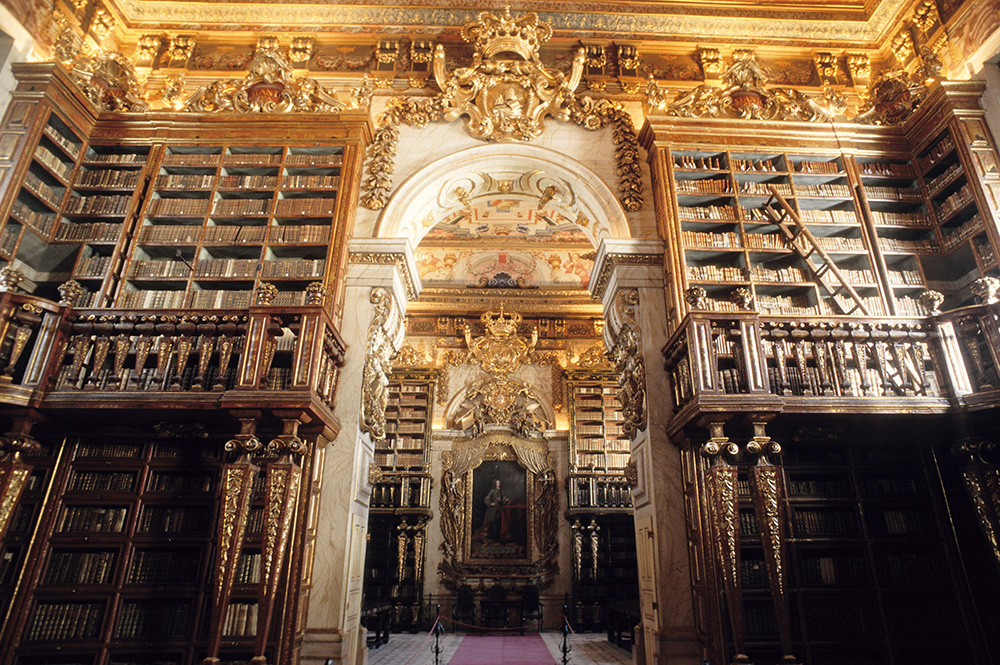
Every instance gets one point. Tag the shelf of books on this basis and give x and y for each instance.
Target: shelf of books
(965, 251)
(221, 219)
(126, 569)
(408, 423)
(596, 440)
(728, 241)
(865, 549)
(605, 568)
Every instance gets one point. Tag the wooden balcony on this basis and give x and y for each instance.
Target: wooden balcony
(748, 362)
(58, 357)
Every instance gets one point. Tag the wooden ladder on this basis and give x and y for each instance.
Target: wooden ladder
(818, 261)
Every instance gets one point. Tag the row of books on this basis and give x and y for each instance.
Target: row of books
(758, 166)
(179, 207)
(164, 566)
(241, 620)
(248, 181)
(872, 303)
(841, 570)
(828, 217)
(716, 273)
(127, 158)
(40, 221)
(837, 243)
(902, 521)
(173, 519)
(8, 238)
(241, 206)
(841, 522)
(935, 153)
(906, 277)
(89, 231)
(984, 250)
(175, 482)
(93, 266)
(954, 202)
(92, 450)
(94, 567)
(593, 492)
(913, 219)
(313, 159)
(753, 573)
(893, 193)
(908, 246)
(69, 145)
(235, 234)
(43, 191)
(704, 186)
(157, 268)
(185, 181)
(887, 169)
(795, 305)
(248, 568)
(764, 188)
(305, 206)
(707, 212)
(828, 190)
(818, 167)
(790, 274)
(64, 621)
(151, 299)
(152, 619)
(102, 204)
(937, 182)
(103, 481)
(766, 241)
(93, 519)
(699, 163)
(718, 240)
(44, 156)
(221, 299)
(293, 268)
(108, 178)
(966, 230)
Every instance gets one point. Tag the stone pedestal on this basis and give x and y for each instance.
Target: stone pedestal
(628, 278)
(333, 633)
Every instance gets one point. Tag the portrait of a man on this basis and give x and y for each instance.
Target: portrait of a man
(499, 511)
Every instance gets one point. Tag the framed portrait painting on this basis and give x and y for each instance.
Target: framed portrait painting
(499, 512)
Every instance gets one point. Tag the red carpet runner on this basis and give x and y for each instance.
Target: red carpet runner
(502, 650)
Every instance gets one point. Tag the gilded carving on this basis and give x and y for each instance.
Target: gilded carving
(388, 258)
(268, 87)
(301, 49)
(503, 99)
(630, 367)
(742, 94)
(110, 82)
(501, 350)
(383, 338)
(147, 48)
(986, 290)
(902, 46)
(70, 293)
(180, 49)
(859, 67)
(925, 15)
(891, 99)
(827, 68)
(711, 63)
(931, 301)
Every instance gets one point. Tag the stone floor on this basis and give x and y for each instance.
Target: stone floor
(407, 649)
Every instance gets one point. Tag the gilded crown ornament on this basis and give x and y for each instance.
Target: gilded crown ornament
(501, 350)
(494, 34)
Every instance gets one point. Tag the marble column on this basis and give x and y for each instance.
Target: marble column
(381, 278)
(628, 278)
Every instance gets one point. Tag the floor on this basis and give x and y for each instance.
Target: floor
(407, 649)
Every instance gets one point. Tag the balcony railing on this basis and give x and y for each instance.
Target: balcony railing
(53, 353)
(745, 361)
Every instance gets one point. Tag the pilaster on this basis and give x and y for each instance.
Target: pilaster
(381, 278)
(629, 282)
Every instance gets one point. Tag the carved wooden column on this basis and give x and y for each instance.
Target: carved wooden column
(234, 506)
(769, 507)
(283, 481)
(14, 472)
(724, 510)
(981, 473)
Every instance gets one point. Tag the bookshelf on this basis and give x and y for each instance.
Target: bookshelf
(866, 549)
(408, 415)
(596, 440)
(127, 565)
(605, 570)
(222, 218)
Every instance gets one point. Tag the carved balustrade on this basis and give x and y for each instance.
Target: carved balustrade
(402, 490)
(796, 363)
(970, 344)
(599, 491)
(27, 336)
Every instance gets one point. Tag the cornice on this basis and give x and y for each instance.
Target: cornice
(654, 24)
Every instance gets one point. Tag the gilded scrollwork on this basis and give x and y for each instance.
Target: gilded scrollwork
(268, 87)
(743, 94)
(501, 350)
(630, 367)
(110, 81)
(891, 98)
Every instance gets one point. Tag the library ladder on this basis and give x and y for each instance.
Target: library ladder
(818, 261)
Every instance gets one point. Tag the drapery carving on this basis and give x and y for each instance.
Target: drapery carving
(384, 337)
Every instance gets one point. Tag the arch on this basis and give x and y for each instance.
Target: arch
(429, 191)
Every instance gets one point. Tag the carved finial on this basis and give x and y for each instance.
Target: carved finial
(931, 301)
(695, 297)
(69, 293)
(10, 278)
(314, 293)
(266, 293)
(986, 289)
(742, 298)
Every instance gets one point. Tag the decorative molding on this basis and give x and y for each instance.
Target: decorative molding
(611, 261)
(397, 259)
(504, 99)
(629, 365)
